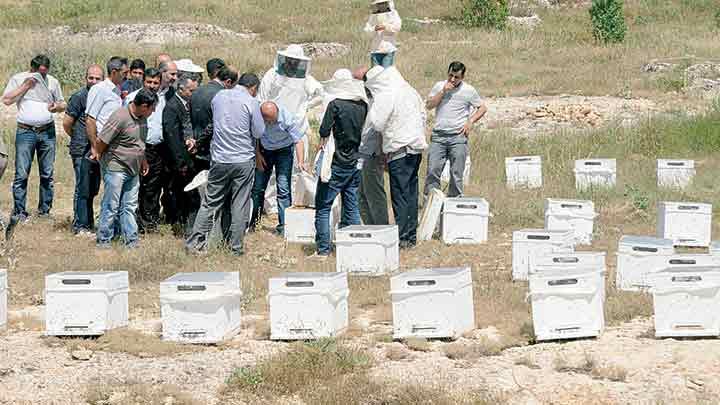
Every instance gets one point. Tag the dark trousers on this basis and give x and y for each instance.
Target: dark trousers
(87, 186)
(281, 160)
(186, 203)
(404, 196)
(344, 181)
(232, 181)
(154, 187)
(29, 143)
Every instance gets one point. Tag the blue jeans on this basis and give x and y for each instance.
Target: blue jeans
(27, 144)
(282, 161)
(120, 200)
(87, 185)
(343, 181)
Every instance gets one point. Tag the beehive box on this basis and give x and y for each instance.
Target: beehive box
(465, 220)
(200, 307)
(85, 303)
(532, 243)
(675, 173)
(578, 215)
(638, 257)
(432, 303)
(595, 173)
(308, 305)
(371, 250)
(300, 223)
(687, 224)
(523, 171)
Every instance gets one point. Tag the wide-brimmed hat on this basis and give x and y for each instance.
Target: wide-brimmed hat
(187, 65)
(294, 51)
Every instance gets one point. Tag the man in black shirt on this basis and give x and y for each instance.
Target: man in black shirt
(344, 118)
(201, 113)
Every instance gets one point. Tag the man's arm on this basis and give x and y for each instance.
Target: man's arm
(12, 96)
(328, 121)
(435, 99)
(91, 132)
(479, 113)
(68, 123)
(100, 148)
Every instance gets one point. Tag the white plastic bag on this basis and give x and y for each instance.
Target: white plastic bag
(323, 160)
(445, 176)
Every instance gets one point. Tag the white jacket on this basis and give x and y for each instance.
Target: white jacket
(296, 95)
(392, 23)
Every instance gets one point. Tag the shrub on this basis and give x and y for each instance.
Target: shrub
(608, 20)
(485, 13)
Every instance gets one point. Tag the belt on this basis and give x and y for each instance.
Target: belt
(40, 128)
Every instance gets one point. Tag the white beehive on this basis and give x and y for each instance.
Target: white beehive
(431, 214)
(675, 173)
(687, 224)
(687, 302)
(308, 305)
(85, 303)
(577, 215)
(432, 303)
(530, 243)
(200, 307)
(638, 257)
(300, 223)
(465, 220)
(567, 293)
(3, 298)
(368, 249)
(523, 171)
(593, 173)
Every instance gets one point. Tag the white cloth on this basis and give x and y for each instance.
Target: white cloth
(392, 23)
(455, 107)
(344, 87)
(295, 95)
(397, 112)
(33, 106)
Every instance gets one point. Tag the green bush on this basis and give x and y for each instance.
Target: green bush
(485, 13)
(608, 20)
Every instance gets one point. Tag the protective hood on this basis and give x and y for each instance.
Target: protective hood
(292, 62)
(343, 86)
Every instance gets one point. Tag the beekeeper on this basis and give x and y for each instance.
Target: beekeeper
(384, 22)
(290, 85)
(397, 113)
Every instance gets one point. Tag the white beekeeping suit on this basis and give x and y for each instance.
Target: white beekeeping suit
(384, 55)
(290, 85)
(397, 112)
(384, 22)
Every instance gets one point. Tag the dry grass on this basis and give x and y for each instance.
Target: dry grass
(123, 341)
(25, 322)
(131, 393)
(528, 361)
(396, 353)
(418, 344)
(471, 351)
(588, 365)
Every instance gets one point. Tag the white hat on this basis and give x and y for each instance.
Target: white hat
(385, 47)
(187, 65)
(294, 51)
(380, 1)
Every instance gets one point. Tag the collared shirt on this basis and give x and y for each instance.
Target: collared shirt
(237, 123)
(76, 109)
(345, 120)
(103, 100)
(124, 134)
(154, 122)
(283, 133)
(455, 107)
(33, 106)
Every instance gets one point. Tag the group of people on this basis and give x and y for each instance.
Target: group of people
(146, 133)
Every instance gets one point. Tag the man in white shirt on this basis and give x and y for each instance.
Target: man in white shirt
(458, 107)
(38, 96)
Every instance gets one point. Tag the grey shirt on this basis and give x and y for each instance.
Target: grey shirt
(103, 100)
(455, 107)
(237, 123)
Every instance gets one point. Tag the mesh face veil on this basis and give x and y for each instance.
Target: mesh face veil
(292, 67)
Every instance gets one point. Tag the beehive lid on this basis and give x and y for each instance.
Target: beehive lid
(81, 280)
(645, 244)
(595, 165)
(576, 261)
(543, 235)
(690, 277)
(477, 206)
(383, 234)
(523, 160)
(675, 164)
(310, 282)
(195, 281)
(685, 207)
(432, 278)
(431, 214)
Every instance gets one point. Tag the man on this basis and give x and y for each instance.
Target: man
(38, 96)
(151, 81)
(372, 195)
(177, 129)
(398, 113)
(157, 182)
(282, 137)
(237, 124)
(384, 22)
(162, 58)
(454, 101)
(87, 175)
(344, 118)
(135, 78)
(103, 99)
(121, 146)
(201, 114)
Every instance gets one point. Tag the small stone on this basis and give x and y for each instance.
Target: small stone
(525, 22)
(81, 354)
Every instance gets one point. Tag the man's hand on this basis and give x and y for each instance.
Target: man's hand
(53, 107)
(301, 165)
(191, 145)
(144, 168)
(448, 86)
(466, 129)
(260, 162)
(379, 28)
(93, 154)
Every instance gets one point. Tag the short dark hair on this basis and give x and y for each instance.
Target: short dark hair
(116, 63)
(249, 80)
(213, 67)
(457, 67)
(145, 97)
(40, 60)
(228, 73)
(137, 64)
(152, 72)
